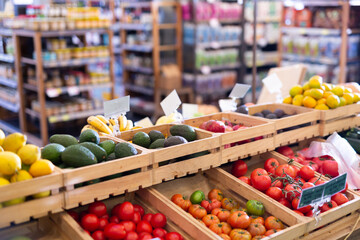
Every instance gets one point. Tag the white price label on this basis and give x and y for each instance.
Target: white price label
(53, 92)
(215, 45)
(227, 105)
(205, 70)
(145, 122)
(73, 91)
(189, 110)
(239, 90)
(214, 22)
(117, 106)
(272, 83)
(170, 103)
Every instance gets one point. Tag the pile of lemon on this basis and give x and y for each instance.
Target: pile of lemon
(322, 96)
(19, 162)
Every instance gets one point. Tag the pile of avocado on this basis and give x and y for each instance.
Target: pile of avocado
(65, 151)
(278, 113)
(180, 134)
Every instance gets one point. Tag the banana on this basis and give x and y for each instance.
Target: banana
(88, 127)
(122, 122)
(104, 120)
(129, 125)
(112, 121)
(98, 124)
(137, 127)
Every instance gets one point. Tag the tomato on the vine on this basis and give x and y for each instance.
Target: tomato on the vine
(239, 168)
(285, 169)
(306, 172)
(292, 191)
(271, 164)
(245, 179)
(277, 183)
(327, 206)
(90, 222)
(257, 172)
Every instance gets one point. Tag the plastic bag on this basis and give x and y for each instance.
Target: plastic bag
(347, 159)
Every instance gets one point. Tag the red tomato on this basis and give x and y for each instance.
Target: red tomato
(292, 191)
(346, 187)
(339, 198)
(144, 226)
(299, 179)
(277, 183)
(131, 236)
(103, 222)
(129, 226)
(114, 219)
(285, 202)
(318, 161)
(159, 232)
(331, 168)
(283, 169)
(209, 205)
(309, 214)
(140, 209)
(239, 168)
(271, 163)
(215, 194)
(115, 231)
(90, 222)
(148, 217)
(115, 209)
(306, 172)
(106, 216)
(239, 219)
(308, 185)
(145, 236)
(260, 181)
(257, 172)
(245, 179)
(295, 204)
(285, 150)
(137, 217)
(173, 236)
(82, 214)
(275, 193)
(298, 212)
(327, 206)
(319, 182)
(98, 235)
(97, 208)
(126, 211)
(316, 181)
(74, 215)
(158, 220)
(296, 170)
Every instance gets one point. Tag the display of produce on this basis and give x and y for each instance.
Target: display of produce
(353, 136)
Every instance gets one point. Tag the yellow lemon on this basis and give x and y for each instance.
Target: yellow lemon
(342, 101)
(306, 86)
(9, 163)
(41, 194)
(4, 181)
(307, 93)
(326, 94)
(321, 106)
(338, 91)
(321, 101)
(348, 90)
(327, 86)
(349, 97)
(2, 137)
(296, 90)
(309, 102)
(316, 93)
(287, 100)
(315, 81)
(14, 142)
(29, 153)
(356, 97)
(333, 101)
(41, 167)
(297, 100)
(1, 149)
(22, 175)
(14, 201)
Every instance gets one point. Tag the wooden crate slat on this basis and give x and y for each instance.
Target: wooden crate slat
(329, 127)
(341, 112)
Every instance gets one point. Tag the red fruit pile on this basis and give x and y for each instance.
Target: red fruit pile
(127, 221)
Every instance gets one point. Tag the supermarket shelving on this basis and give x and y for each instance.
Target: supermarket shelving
(8, 82)
(67, 63)
(6, 58)
(9, 106)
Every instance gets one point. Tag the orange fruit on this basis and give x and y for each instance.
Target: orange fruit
(315, 81)
(322, 106)
(342, 101)
(296, 90)
(328, 93)
(327, 86)
(333, 101)
(356, 97)
(316, 93)
(321, 101)
(309, 102)
(297, 100)
(307, 93)
(287, 100)
(338, 91)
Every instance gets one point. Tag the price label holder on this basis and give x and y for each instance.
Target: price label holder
(189, 110)
(73, 91)
(145, 122)
(227, 105)
(115, 108)
(53, 92)
(239, 90)
(170, 103)
(272, 83)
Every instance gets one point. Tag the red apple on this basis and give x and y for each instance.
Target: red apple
(215, 126)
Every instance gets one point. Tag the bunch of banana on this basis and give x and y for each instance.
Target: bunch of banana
(126, 124)
(100, 124)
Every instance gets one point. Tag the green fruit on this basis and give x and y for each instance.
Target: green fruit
(155, 135)
(124, 149)
(254, 207)
(52, 152)
(63, 139)
(159, 143)
(89, 136)
(98, 151)
(78, 156)
(141, 139)
(197, 196)
(184, 131)
(174, 140)
(62, 165)
(108, 145)
(20, 238)
(111, 157)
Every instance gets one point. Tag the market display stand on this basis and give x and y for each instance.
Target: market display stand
(40, 89)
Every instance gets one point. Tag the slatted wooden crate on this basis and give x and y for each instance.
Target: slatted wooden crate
(75, 196)
(257, 128)
(31, 208)
(176, 161)
(302, 124)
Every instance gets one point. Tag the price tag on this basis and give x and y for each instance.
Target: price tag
(73, 91)
(189, 110)
(302, 31)
(53, 92)
(227, 105)
(116, 106)
(215, 45)
(65, 117)
(322, 192)
(325, 32)
(205, 70)
(53, 119)
(170, 103)
(272, 83)
(145, 122)
(214, 22)
(239, 90)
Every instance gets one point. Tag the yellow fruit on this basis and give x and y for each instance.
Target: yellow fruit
(3, 181)
(296, 90)
(104, 120)
(2, 137)
(41, 194)
(321, 101)
(98, 124)
(9, 163)
(316, 93)
(326, 94)
(86, 127)
(22, 175)
(112, 121)
(307, 93)
(287, 100)
(309, 102)
(356, 97)
(29, 154)
(327, 87)
(129, 125)
(136, 127)
(342, 102)
(338, 91)
(41, 167)
(14, 201)
(348, 90)
(349, 97)
(333, 101)
(306, 86)
(297, 100)
(14, 142)
(321, 106)
(1, 149)
(315, 81)
(122, 122)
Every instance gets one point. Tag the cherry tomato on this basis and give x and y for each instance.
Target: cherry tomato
(158, 220)
(285, 150)
(90, 222)
(129, 226)
(159, 232)
(292, 191)
(131, 236)
(137, 217)
(98, 235)
(97, 208)
(148, 217)
(260, 180)
(239, 168)
(270, 164)
(296, 170)
(144, 226)
(140, 209)
(74, 215)
(275, 193)
(245, 179)
(114, 219)
(306, 172)
(283, 169)
(103, 222)
(307, 185)
(145, 236)
(327, 206)
(295, 203)
(340, 199)
(126, 211)
(115, 231)
(285, 202)
(173, 236)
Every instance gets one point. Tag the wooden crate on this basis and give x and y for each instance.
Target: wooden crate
(161, 194)
(31, 208)
(302, 124)
(67, 222)
(309, 224)
(173, 169)
(258, 128)
(74, 196)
